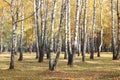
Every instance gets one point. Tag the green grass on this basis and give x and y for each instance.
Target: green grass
(103, 68)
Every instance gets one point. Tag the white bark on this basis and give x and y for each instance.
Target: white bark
(36, 17)
(113, 30)
(1, 40)
(22, 33)
(93, 31)
(76, 29)
(85, 31)
(13, 35)
(52, 34)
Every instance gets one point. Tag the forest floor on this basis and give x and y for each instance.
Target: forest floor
(101, 68)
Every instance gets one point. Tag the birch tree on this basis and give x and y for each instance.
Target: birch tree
(80, 27)
(59, 43)
(118, 17)
(16, 24)
(70, 54)
(22, 32)
(42, 12)
(66, 36)
(36, 17)
(101, 30)
(75, 47)
(1, 28)
(113, 30)
(13, 34)
(93, 31)
(46, 29)
(52, 34)
(85, 31)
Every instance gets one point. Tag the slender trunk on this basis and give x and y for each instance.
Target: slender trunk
(45, 30)
(42, 12)
(13, 36)
(75, 47)
(16, 24)
(35, 28)
(66, 36)
(41, 54)
(80, 28)
(38, 25)
(21, 34)
(52, 34)
(59, 44)
(88, 45)
(113, 31)
(101, 32)
(118, 16)
(36, 9)
(118, 51)
(93, 30)
(1, 45)
(32, 43)
(70, 55)
(85, 31)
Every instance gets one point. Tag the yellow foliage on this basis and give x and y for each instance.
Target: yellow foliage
(29, 23)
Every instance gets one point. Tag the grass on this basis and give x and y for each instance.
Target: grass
(103, 68)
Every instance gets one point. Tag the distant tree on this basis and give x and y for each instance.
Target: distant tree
(101, 30)
(22, 32)
(1, 29)
(31, 46)
(46, 29)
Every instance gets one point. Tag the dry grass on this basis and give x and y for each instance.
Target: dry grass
(103, 68)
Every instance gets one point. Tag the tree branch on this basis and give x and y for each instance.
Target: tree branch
(7, 2)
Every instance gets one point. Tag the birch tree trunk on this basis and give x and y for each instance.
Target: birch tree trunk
(66, 36)
(52, 35)
(42, 32)
(93, 31)
(101, 32)
(42, 13)
(16, 24)
(45, 30)
(70, 55)
(85, 31)
(59, 44)
(113, 31)
(1, 40)
(21, 34)
(75, 47)
(36, 16)
(118, 16)
(80, 28)
(88, 44)
(13, 35)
